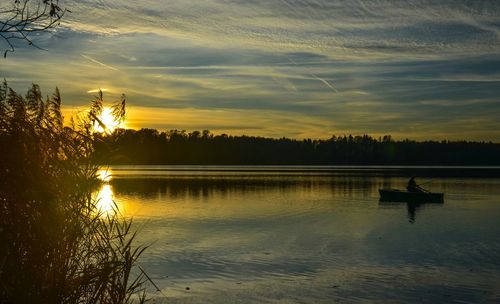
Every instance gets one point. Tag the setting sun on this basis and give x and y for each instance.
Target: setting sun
(108, 119)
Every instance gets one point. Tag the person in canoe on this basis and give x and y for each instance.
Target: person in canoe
(413, 186)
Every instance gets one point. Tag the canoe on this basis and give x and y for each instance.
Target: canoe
(394, 195)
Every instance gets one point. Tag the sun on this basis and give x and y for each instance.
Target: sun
(108, 120)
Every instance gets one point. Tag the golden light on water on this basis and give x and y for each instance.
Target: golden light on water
(104, 175)
(109, 204)
(106, 203)
(105, 200)
(109, 121)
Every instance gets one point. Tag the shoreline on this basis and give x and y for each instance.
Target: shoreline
(389, 171)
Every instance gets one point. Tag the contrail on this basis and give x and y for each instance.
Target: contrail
(325, 82)
(100, 63)
(316, 77)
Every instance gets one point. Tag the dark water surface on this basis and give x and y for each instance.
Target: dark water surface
(288, 235)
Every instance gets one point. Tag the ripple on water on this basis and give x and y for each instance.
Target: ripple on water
(318, 241)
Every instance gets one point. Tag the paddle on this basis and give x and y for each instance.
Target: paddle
(424, 190)
(417, 186)
(429, 181)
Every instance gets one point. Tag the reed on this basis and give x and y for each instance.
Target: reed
(56, 246)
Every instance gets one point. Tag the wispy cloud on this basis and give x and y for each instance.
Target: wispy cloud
(335, 28)
(100, 63)
(97, 90)
(298, 68)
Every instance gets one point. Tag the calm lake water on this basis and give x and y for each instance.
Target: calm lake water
(310, 235)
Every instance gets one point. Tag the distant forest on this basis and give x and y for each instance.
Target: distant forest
(150, 146)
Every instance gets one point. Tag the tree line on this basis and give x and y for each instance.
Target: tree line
(175, 147)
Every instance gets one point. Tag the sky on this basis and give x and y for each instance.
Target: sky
(295, 68)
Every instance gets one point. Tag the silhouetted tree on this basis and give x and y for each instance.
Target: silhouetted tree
(19, 19)
(149, 146)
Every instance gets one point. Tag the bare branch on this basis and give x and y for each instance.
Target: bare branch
(24, 17)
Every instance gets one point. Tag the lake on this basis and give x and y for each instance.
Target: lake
(309, 235)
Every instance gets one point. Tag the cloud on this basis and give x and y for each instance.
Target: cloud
(378, 67)
(332, 28)
(100, 63)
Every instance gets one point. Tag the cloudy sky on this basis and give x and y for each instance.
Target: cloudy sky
(296, 68)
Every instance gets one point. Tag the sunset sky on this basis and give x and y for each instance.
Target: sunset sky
(295, 68)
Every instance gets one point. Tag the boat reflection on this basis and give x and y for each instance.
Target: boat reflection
(411, 207)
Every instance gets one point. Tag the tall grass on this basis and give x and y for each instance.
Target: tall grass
(55, 245)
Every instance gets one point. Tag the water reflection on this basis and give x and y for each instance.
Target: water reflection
(105, 174)
(192, 188)
(196, 187)
(313, 238)
(105, 200)
(412, 208)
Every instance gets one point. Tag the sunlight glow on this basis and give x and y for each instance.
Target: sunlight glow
(104, 175)
(105, 201)
(96, 90)
(109, 121)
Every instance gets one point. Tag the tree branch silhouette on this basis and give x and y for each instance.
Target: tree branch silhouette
(22, 18)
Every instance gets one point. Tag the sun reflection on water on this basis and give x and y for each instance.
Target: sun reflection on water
(104, 175)
(105, 201)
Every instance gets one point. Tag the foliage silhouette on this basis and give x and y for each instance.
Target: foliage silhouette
(174, 147)
(57, 246)
(21, 18)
